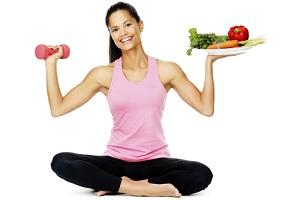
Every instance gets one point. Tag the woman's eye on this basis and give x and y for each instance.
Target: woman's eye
(128, 24)
(113, 30)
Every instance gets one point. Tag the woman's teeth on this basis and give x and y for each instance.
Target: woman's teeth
(126, 39)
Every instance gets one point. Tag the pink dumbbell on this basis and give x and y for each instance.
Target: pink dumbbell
(42, 51)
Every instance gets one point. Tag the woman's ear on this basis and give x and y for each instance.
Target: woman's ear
(141, 26)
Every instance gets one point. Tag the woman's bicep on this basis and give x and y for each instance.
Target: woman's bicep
(188, 92)
(81, 93)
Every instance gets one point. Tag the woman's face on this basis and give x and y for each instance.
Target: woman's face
(125, 30)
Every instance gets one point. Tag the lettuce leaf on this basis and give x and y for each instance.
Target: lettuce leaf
(202, 41)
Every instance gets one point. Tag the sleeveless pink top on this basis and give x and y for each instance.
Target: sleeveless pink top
(137, 108)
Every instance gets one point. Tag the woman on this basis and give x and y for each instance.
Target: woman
(136, 161)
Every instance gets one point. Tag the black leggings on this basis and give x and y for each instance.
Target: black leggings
(105, 172)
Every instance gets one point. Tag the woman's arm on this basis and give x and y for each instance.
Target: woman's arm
(77, 96)
(202, 101)
(207, 94)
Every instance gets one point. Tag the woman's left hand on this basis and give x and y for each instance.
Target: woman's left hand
(213, 58)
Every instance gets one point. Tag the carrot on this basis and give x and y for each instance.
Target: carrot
(223, 45)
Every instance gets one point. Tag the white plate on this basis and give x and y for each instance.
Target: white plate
(228, 51)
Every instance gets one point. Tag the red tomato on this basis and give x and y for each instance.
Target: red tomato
(238, 33)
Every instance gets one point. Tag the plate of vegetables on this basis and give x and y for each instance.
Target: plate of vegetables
(235, 42)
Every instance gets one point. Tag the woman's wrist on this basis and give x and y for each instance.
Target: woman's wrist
(209, 61)
(50, 62)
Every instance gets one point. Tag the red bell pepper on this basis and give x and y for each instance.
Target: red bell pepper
(240, 33)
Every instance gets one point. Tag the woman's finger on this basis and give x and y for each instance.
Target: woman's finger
(60, 50)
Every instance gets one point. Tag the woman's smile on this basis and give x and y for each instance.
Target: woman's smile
(126, 39)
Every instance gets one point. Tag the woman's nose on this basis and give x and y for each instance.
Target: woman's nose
(123, 31)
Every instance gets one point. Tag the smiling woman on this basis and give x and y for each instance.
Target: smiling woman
(130, 22)
(137, 160)
(125, 30)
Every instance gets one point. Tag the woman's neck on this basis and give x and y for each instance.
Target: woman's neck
(134, 59)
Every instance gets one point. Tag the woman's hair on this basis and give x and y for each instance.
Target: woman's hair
(114, 51)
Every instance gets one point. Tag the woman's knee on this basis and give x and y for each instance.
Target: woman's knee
(60, 161)
(201, 177)
(205, 177)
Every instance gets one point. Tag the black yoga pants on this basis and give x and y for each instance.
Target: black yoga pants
(105, 172)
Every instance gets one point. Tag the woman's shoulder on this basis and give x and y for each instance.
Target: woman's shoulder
(102, 73)
(103, 69)
(168, 66)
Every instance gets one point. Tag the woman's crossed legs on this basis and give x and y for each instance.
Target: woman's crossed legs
(156, 177)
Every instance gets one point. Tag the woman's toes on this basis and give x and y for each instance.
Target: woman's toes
(101, 193)
(125, 178)
(175, 191)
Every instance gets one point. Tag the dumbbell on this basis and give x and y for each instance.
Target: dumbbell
(42, 51)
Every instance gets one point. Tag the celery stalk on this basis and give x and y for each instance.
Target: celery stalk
(253, 42)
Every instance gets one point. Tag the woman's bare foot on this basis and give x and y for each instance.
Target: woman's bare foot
(102, 192)
(126, 178)
(129, 179)
(144, 188)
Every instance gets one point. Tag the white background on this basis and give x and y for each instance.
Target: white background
(245, 143)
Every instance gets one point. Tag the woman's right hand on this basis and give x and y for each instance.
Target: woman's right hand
(54, 57)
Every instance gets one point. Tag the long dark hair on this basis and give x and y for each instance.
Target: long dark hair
(114, 51)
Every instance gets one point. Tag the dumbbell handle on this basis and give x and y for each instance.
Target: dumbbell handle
(42, 51)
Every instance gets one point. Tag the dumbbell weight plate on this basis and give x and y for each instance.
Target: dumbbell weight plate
(41, 51)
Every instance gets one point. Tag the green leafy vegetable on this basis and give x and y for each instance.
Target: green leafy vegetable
(202, 41)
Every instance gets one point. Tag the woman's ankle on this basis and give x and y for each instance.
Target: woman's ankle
(128, 186)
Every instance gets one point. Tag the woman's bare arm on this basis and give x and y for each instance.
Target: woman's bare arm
(77, 96)
(202, 101)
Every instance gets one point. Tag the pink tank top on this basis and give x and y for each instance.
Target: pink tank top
(137, 108)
